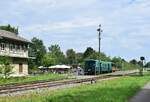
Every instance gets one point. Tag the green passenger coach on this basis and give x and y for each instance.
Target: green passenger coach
(93, 67)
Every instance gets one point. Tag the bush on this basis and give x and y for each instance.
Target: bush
(5, 67)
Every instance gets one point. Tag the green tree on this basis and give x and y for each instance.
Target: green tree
(140, 63)
(88, 52)
(71, 56)
(48, 60)
(124, 65)
(57, 54)
(79, 58)
(38, 50)
(103, 57)
(94, 55)
(117, 61)
(99, 56)
(133, 61)
(5, 67)
(129, 66)
(9, 28)
(147, 65)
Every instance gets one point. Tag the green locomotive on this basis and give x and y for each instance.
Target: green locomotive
(93, 67)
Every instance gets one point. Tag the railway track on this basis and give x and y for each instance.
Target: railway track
(12, 88)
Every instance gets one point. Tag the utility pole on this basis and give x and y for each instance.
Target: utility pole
(99, 37)
(141, 69)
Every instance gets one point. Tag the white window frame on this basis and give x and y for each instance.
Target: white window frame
(3, 46)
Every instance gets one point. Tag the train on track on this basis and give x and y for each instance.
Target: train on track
(94, 67)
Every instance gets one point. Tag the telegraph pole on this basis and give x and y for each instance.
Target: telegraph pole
(99, 37)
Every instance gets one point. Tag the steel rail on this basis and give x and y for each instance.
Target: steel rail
(47, 84)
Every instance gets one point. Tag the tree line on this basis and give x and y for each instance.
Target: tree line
(54, 55)
(9, 28)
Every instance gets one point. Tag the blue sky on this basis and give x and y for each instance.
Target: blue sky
(73, 24)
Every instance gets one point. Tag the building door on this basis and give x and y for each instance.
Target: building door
(20, 68)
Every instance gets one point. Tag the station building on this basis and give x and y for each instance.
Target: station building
(15, 48)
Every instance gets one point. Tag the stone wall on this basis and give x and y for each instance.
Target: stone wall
(16, 62)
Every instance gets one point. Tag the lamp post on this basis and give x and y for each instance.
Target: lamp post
(99, 36)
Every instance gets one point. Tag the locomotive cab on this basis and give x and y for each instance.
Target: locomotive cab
(90, 67)
(94, 67)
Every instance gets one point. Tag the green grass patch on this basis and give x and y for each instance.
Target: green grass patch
(116, 90)
(27, 79)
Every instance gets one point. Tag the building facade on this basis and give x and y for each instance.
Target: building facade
(15, 48)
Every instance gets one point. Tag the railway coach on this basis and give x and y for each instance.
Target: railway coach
(93, 67)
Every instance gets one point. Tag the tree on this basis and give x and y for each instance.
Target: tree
(57, 54)
(48, 60)
(94, 55)
(5, 67)
(147, 65)
(117, 61)
(38, 50)
(140, 63)
(103, 57)
(133, 61)
(99, 56)
(79, 58)
(89, 51)
(71, 56)
(9, 28)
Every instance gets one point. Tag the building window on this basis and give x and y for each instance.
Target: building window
(21, 47)
(24, 48)
(18, 47)
(20, 68)
(14, 48)
(11, 47)
(3, 46)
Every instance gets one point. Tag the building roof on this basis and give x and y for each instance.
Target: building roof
(60, 67)
(10, 35)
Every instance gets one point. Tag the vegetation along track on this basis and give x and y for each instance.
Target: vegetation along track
(11, 88)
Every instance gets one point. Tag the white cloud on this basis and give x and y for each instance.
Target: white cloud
(125, 23)
(64, 25)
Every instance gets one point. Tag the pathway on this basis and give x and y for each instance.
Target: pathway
(143, 95)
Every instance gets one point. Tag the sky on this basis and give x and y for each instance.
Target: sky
(73, 24)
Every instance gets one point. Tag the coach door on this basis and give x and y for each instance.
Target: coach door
(20, 68)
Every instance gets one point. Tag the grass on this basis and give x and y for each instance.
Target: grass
(33, 78)
(117, 90)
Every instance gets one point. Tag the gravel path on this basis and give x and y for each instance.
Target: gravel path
(143, 95)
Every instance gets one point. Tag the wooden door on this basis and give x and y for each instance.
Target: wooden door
(20, 68)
